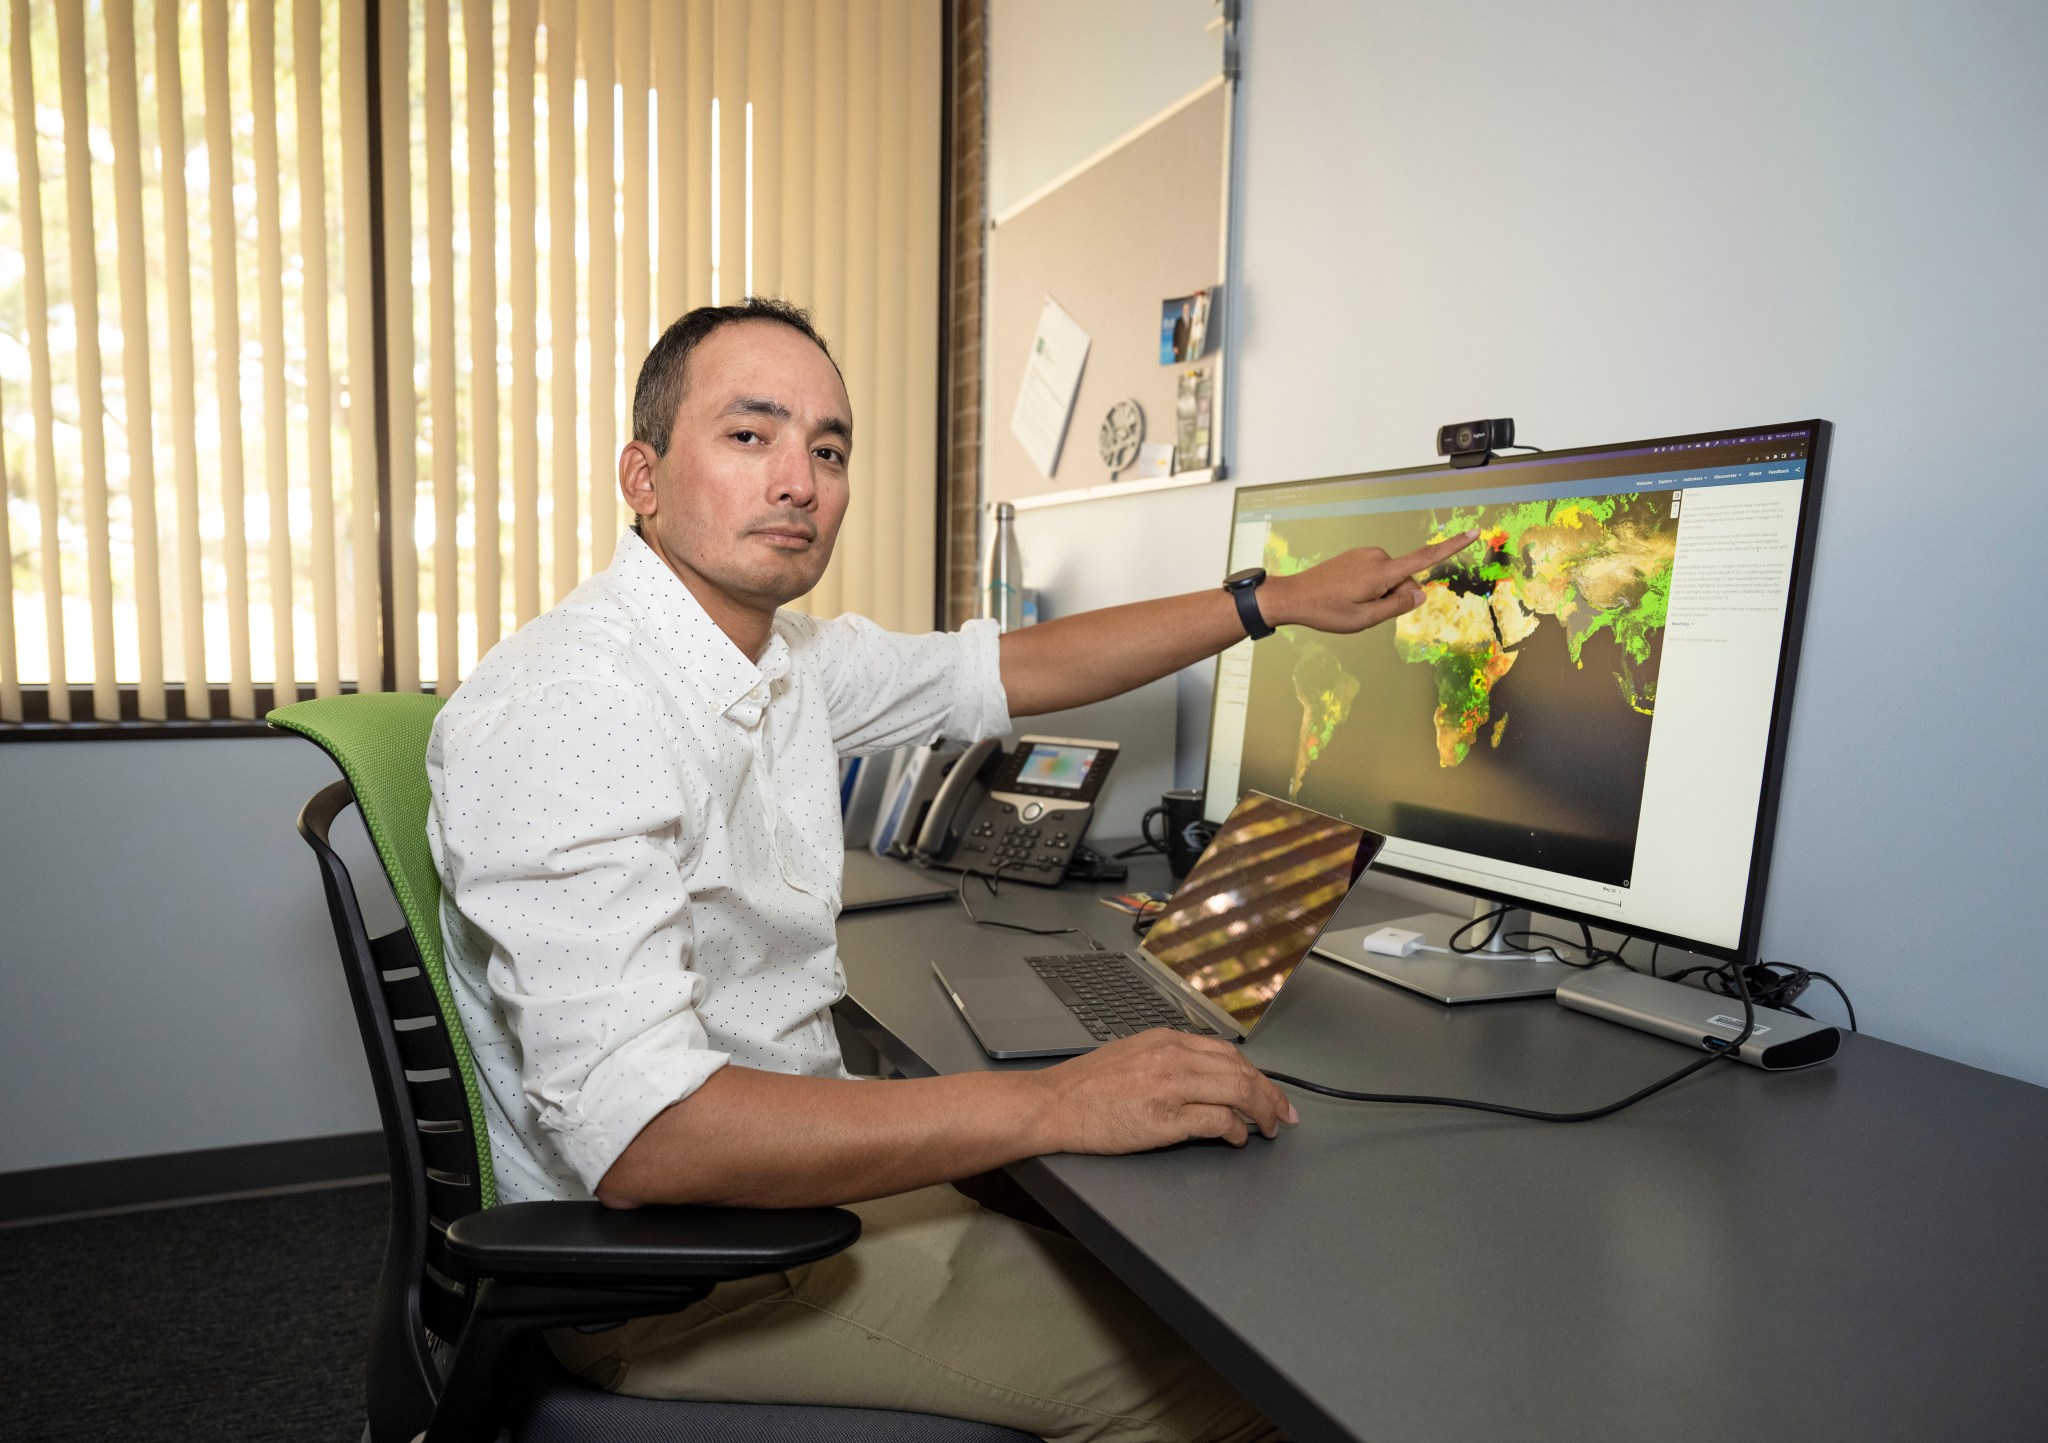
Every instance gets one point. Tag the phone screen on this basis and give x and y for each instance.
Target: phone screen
(1050, 766)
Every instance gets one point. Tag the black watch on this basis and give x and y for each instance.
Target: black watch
(1243, 587)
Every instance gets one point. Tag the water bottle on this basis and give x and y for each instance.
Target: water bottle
(1002, 581)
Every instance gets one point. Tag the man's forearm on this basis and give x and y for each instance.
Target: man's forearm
(1076, 660)
(1082, 659)
(761, 1139)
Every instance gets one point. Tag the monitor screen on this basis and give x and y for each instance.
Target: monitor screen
(1584, 714)
(1256, 901)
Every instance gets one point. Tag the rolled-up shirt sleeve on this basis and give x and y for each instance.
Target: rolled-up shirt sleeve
(887, 689)
(562, 831)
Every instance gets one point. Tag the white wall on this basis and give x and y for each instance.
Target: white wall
(168, 978)
(1622, 221)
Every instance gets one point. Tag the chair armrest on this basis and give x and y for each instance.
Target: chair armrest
(544, 1265)
(589, 1243)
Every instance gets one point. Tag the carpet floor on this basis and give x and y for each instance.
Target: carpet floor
(240, 1320)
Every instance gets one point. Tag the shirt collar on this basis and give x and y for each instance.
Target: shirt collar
(686, 637)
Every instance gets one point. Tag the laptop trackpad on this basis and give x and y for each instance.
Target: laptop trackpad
(1009, 999)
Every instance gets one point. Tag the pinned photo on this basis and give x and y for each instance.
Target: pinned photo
(1192, 406)
(1183, 328)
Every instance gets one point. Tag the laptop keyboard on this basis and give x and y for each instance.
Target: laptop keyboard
(1107, 996)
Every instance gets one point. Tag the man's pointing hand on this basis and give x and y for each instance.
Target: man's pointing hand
(1355, 589)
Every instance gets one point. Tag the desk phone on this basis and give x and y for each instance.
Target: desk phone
(1019, 814)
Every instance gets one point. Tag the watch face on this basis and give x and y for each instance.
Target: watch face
(1250, 576)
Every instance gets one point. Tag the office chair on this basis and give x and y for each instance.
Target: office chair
(468, 1283)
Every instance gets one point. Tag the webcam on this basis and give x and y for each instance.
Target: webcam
(1472, 443)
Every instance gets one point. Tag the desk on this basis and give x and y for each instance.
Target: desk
(1858, 1251)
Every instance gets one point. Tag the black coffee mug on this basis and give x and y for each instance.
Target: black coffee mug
(1185, 833)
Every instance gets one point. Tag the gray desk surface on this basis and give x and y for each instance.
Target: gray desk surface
(1858, 1251)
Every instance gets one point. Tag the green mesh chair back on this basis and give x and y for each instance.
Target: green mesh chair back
(419, 1058)
(379, 740)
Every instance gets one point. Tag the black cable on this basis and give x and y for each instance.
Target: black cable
(1500, 1107)
(1139, 850)
(1715, 1054)
(960, 892)
(1847, 1005)
(1618, 954)
(1684, 972)
(1520, 447)
(1597, 953)
(1594, 955)
(1769, 984)
(1772, 984)
(1766, 984)
(1497, 916)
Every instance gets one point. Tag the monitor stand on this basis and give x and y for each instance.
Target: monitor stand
(1466, 977)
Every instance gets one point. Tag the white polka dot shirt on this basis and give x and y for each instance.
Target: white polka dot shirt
(638, 836)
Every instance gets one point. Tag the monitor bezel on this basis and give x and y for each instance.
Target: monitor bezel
(1804, 547)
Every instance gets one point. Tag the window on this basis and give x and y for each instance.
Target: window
(350, 417)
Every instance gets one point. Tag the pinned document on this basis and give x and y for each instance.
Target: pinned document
(1052, 376)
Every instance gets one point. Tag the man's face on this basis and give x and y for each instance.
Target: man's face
(749, 498)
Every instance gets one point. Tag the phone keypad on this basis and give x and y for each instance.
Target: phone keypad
(1006, 845)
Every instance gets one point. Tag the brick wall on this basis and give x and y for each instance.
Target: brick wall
(967, 230)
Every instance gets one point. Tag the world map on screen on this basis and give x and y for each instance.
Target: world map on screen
(1586, 565)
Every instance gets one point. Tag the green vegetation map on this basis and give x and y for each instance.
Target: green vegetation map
(1586, 564)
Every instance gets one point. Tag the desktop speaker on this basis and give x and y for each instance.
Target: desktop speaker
(1699, 1019)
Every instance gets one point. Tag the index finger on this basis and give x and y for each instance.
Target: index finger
(1421, 560)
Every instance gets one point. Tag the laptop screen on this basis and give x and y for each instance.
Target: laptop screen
(1257, 900)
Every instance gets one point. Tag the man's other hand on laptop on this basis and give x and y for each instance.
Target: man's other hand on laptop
(1155, 1089)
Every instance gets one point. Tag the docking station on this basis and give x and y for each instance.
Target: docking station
(1703, 1020)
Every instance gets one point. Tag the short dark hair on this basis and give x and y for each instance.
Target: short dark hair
(659, 391)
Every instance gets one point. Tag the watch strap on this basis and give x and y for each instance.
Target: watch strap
(1247, 599)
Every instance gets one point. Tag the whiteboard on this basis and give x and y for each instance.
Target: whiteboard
(1139, 223)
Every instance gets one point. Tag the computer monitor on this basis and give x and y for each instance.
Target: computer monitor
(1586, 716)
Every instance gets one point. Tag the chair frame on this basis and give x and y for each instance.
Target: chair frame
(478, 1285)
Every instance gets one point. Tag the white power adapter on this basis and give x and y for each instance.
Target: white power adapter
(1394, 942)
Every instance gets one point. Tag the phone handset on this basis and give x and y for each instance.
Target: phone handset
(959, 796)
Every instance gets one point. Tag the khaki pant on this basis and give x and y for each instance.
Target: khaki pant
(943, 1306)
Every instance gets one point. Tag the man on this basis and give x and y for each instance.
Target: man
(635, 816)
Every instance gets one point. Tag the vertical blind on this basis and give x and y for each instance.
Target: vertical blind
(199, 497)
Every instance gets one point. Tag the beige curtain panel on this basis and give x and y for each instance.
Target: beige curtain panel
(190, 335)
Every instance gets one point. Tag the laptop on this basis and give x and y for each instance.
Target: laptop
(1212, 964)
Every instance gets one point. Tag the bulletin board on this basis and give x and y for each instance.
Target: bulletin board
(1140, 222)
